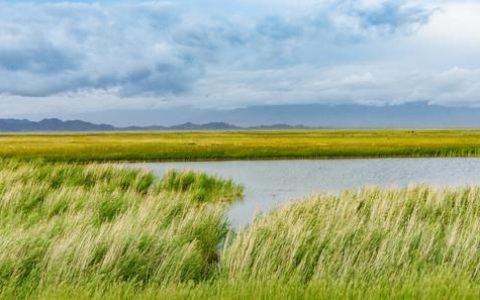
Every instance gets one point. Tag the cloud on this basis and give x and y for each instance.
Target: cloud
(275, 27)
(349, 21)
(48, 49)
(42, 60)
(368, 84)
(66, 57)
(156, 48)
(394, 15)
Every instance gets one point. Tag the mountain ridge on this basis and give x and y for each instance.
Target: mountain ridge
(408, 115)
(414, 114)
(57, 125)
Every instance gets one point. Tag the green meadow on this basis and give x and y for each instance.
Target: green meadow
(100, 231)
(227, 145)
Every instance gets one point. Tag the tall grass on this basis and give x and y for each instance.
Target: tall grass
(104, 232)
(374, 240)
(200, 186)
(98, 225)
(444, 286)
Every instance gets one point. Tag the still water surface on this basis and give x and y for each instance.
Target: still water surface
(268, 184)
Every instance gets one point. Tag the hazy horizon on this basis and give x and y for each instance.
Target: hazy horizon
(417, 114)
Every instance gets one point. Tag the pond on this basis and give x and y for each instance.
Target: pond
(269, 184)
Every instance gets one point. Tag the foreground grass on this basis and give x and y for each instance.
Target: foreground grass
(98, 225)
(376, 241)
(444, 286)
(150, 146)
(99, 232)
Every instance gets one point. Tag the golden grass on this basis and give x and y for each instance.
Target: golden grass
(222, 145)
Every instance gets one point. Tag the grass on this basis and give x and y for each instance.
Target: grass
(443, 286)
(228, 145)
(374, 240)
(102, 232)
(200, 186)
(99, 225)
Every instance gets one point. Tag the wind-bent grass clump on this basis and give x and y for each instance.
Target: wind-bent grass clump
(372, 242)
(98, 225)
(200, 186)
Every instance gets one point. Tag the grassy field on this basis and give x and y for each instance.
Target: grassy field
(222, 145)
(102, 232)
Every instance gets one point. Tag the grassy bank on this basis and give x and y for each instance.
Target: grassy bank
(375, 243)
(149, 146)
(101, 232)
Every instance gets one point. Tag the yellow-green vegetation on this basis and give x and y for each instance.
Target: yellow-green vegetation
(411, 242)
(200, 186)
(97, 225)
(104, 232)
(223, 145)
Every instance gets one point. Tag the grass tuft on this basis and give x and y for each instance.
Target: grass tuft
(201, 187)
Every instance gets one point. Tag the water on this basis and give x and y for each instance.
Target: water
(269, 184)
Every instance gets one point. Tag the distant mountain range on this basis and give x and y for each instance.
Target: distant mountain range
(15, 125)
(51, 125)
(417, 114)
(411, 115)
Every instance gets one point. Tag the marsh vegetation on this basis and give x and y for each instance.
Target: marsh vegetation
(98, 225)
(228, 145)
(104, 232)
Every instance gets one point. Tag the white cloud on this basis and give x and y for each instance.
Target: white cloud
(78, 57)
(456, 23)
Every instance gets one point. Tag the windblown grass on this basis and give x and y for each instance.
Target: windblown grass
(200, 186)
(371, 243)
(98, 225)
(443, 286)
(103, 232)
(221, 145)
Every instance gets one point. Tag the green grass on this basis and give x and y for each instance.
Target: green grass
(224, 145)
(98, 231)
(375, 236)
(200, 186)
(443, 286)
(102, 225)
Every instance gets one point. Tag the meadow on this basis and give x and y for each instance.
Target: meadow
(228, 145)
(100, 231)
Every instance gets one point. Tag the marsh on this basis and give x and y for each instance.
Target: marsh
(268, 184)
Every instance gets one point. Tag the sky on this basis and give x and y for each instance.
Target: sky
(63, 58)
